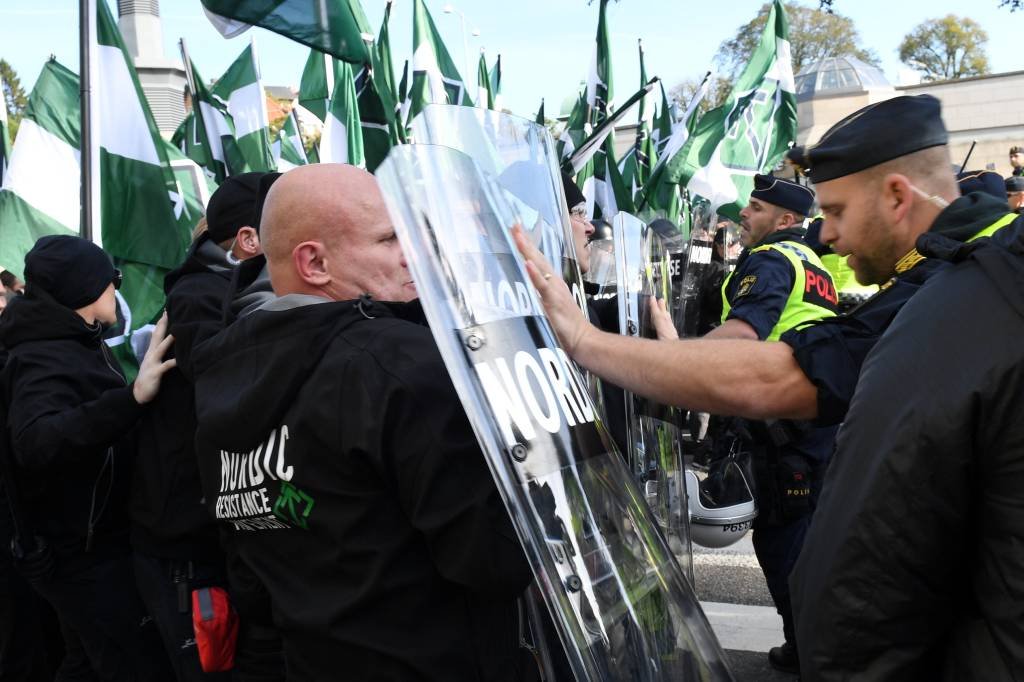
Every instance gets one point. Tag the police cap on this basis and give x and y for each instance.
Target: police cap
(1015, 183)
(1016, 149)
(985, 181)
(783, 193)
(873, 135)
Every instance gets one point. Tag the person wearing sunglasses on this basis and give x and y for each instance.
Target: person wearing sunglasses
(70, 415)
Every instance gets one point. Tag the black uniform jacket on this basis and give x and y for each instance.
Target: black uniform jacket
(912, 569)
(831, 352)
(168, 516)
(70, 419)
(333, 446)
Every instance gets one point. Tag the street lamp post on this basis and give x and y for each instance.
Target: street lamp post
(451, 9)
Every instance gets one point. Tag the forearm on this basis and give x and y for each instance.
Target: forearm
(752, 379)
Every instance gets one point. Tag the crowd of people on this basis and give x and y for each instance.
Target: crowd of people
(290, 489)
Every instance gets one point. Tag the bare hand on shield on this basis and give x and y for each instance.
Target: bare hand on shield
(564, 314)
(662, 320)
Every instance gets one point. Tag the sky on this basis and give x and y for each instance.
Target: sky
(546, 45)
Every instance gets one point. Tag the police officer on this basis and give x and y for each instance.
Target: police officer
(1017, 160)
(779, 283)
(1015, 192)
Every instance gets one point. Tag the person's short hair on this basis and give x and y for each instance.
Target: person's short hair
(1016, 149)
(7, 278)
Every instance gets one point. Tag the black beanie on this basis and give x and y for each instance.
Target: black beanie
(72, 270)
(573, 196)
(233, 206)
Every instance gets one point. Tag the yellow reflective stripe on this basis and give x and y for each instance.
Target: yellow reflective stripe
(995, 227)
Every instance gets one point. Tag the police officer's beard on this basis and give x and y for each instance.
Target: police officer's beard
(877, 262)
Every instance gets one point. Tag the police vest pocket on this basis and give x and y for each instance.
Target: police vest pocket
(794, 487)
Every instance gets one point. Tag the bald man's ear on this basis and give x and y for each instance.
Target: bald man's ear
(311, 264)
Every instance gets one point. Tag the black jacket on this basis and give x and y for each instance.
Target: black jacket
(70, 420)
(336, 450)
(912, 569)
(168, 516)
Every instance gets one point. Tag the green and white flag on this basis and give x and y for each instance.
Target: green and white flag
(291, 153)
(40, 194)
(636, 168)
(141, 205)
(342, 139)
(577, 129)
(604, 189)
(495, 80)
(746, 135)
(392, 97)
(403, 97)
(376, 118)
(484, 96)
(337, 27)
(241, 88)
(209, 139)
(316, 84)
(435, 80)
(5, 135)
(540, 113)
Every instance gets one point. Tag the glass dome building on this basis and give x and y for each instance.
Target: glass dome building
(839, 76)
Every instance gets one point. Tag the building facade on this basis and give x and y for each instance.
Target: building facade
(162, 79)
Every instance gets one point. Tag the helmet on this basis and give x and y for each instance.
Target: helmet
(722, 506)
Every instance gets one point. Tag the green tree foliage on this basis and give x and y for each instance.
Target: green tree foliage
(814, 34)
(946, 48)
(14, 96)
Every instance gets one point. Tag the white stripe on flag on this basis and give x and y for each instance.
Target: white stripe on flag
(248, 109)
(123, 127)
(44, 172)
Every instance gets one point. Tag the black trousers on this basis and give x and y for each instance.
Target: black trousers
(162, 583)
(102, 615)
(31, 644)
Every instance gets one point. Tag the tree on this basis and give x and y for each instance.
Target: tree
(814, 34)
(718, 90)
(946, 48)
(14, 97)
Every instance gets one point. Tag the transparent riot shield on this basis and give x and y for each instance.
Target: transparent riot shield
(520, 155)
(692, 302)
(620, 603)
(655, 431)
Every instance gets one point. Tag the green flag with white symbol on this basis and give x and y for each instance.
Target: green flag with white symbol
(342, 139)
(605, 190)
(144, 224)
(337, 27)
(746, 135)
(291, 153)
(242, 90)
(40, 194)
(435, 80)
(636, 168)
(209, 138)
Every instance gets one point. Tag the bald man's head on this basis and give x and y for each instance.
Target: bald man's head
(326, 232)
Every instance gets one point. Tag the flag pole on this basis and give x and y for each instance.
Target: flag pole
(86, 19)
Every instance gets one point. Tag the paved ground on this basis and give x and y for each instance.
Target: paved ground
(736, 600)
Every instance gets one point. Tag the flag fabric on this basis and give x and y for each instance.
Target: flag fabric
(40, 193)
(602, 186)
(595, 142)
(383, 72)
(292, 152)
(342, 139)
(5, 135)
(746, 135)
(209, 139)
(540, 113)
(375, 118)
(435, 80)
(638, 163)
(141, 205)
(241, 88)
(577, 129)
(338, 27)
(495, 80)
(484, 95)
(316, 83)
(405, 104)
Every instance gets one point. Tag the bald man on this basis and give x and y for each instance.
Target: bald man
(337, 456)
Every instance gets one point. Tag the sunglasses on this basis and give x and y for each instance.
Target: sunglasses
(117, 279)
